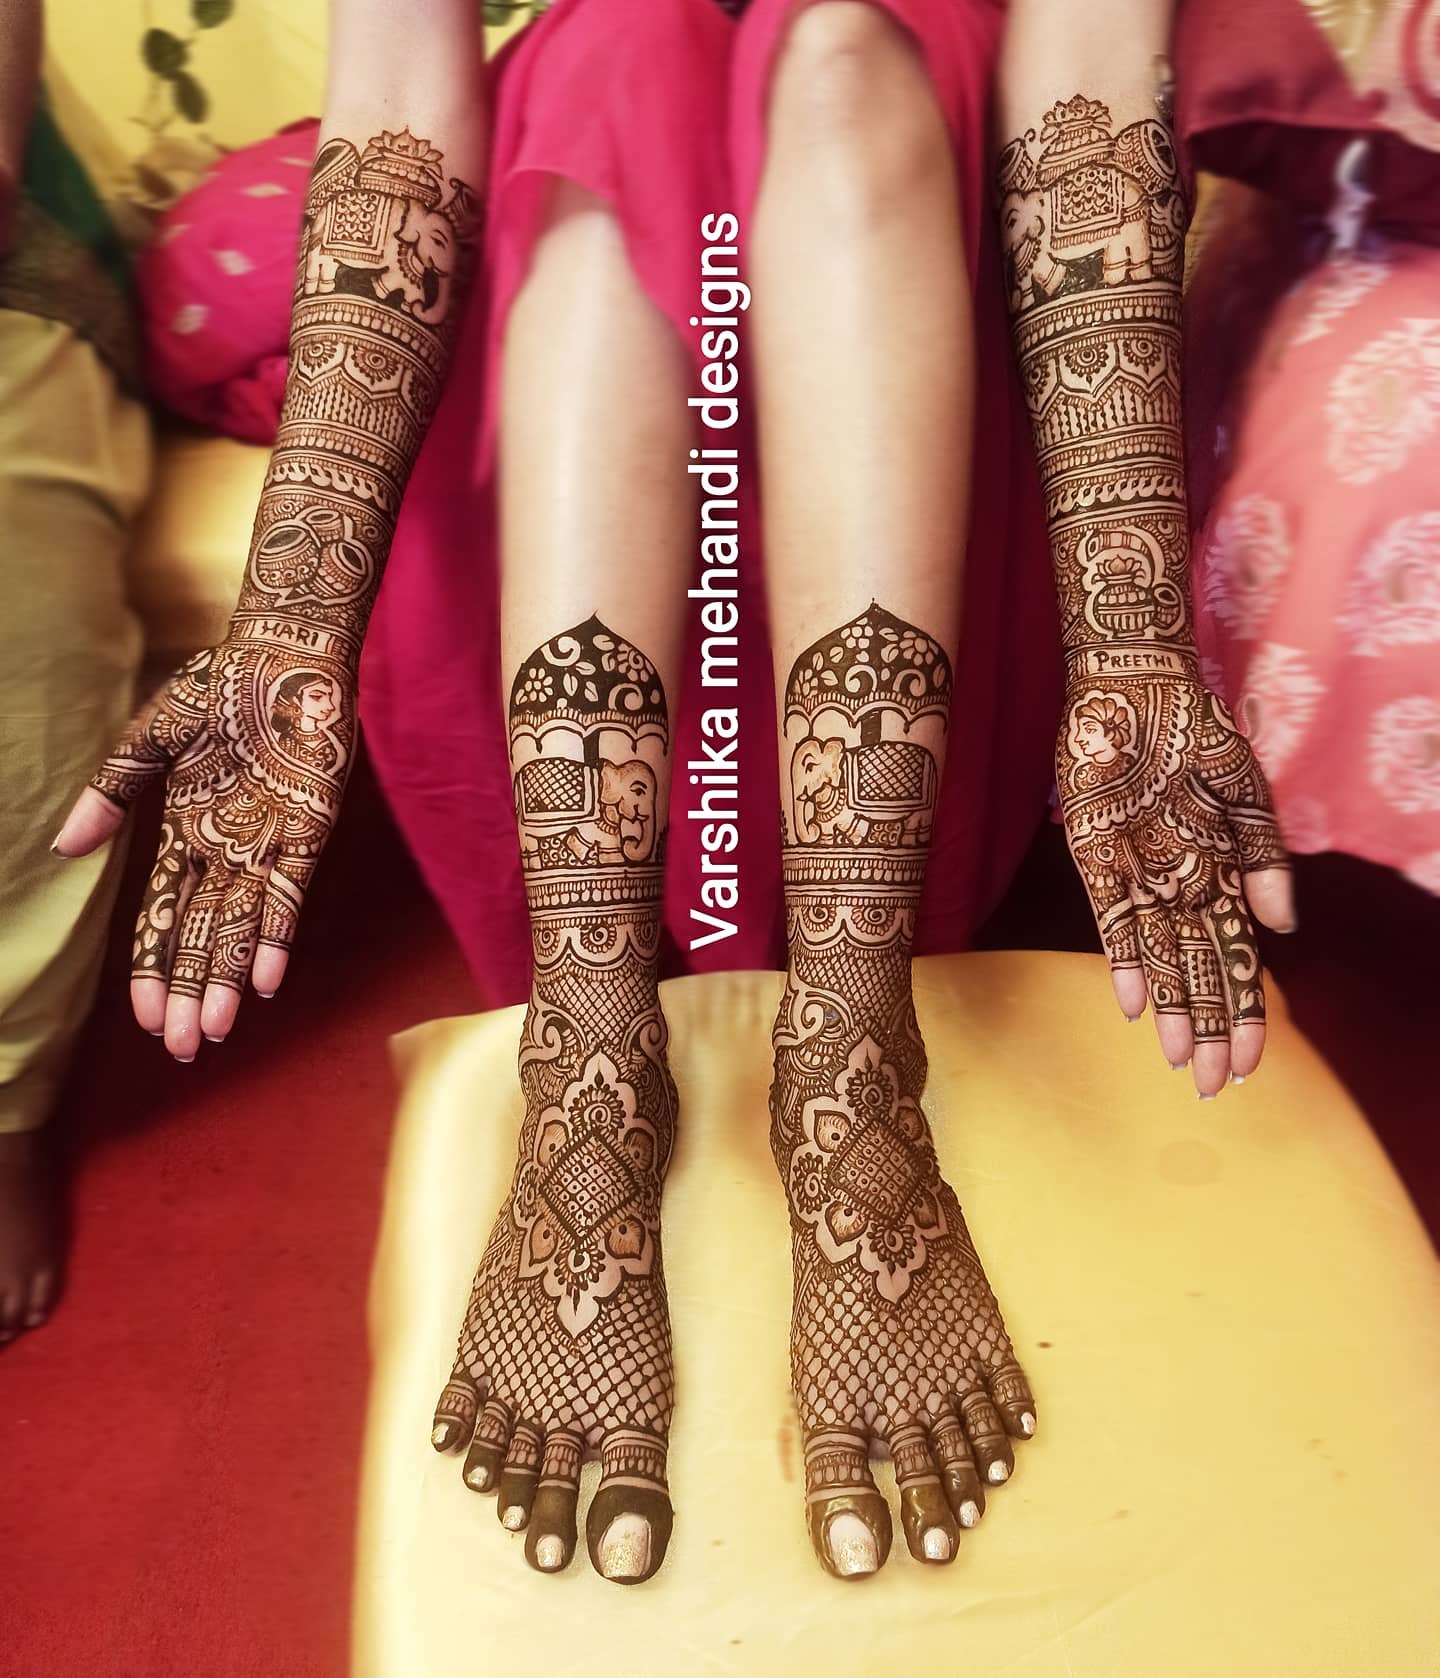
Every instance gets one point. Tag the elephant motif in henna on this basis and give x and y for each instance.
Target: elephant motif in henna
(576, 814)
(881, 792)
(1088, 195)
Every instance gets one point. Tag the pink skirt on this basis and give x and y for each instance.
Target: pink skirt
(658, 107)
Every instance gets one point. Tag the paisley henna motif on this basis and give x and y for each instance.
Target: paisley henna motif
(258, 734)
(567, 1326)
(893, 1320)
(1164, 803)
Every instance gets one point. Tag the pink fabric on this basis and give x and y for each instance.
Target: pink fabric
(634, 100)
(215, 287)
(1317, 572)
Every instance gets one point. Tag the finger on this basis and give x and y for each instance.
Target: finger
(926, 1518)
(93, 819)
(455, 1412)
(191, 966)
(988, 1439)
(518, 1474)
(1209, 1006)
(1233, 934)
(1010, 1393)
(550, 1537)
(236, 930)
(1270, 892)
(1165, 982)
(627, 1527)
(167, 895)
(849, 1520)
(285, 890)
(487, 1449)
(1115, 921)
(958, 1473)
(162, 730)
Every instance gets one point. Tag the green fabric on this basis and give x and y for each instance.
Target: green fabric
(55, 181)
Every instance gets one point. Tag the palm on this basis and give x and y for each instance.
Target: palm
(1166, 809)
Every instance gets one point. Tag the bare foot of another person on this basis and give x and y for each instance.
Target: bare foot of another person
(30, 1237)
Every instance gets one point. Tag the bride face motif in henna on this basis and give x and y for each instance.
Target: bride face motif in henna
(1164, 803)
(567, 1335)
(260, 731)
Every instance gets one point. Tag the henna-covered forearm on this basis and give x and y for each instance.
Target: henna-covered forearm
(1165, 806)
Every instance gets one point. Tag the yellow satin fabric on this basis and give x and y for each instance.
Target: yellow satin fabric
(1229, 1312)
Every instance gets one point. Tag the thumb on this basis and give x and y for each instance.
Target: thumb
(93, 818)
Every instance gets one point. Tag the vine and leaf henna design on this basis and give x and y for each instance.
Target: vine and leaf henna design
(565, 1346)
(896, 1339)
(258, 734)
(1166, 809)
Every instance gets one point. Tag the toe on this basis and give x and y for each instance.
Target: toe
(42, 1297)
(518, 1474)
(981, 1420)
(958, 1474)
(487, 1448)
(10, 1303)
(627, 1527)
(1010, 1393)
(849, 1520)
(550, 1537)
(925, 1513)
(455, 1413)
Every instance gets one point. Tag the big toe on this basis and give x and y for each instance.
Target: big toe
(627, 1527)
(849, 1519)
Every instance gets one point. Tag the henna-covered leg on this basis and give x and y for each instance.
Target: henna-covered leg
(865, 421)
(565, 1349)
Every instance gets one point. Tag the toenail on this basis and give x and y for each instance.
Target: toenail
(852, 1546)
(440, 1435)
(549, 1552)
(998, 1473)
(936, 1544)
(969, 1513)
(478, 1477)
(625, 1548)
(513, 1518)
(1027, 1424)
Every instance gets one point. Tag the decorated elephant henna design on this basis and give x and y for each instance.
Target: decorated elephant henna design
(895, 1335)
(1164, 804)
(257, 735)
(565, 1347)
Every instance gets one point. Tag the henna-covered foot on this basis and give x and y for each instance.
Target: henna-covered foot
(897, 1342)
(565, 1349)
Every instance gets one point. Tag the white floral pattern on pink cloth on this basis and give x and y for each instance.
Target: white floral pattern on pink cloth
(1317, 570)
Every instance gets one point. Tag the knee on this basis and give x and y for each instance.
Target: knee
(851, 87)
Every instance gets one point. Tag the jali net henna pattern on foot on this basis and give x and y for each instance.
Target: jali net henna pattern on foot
(260, 730)
(896, 1338)
(566, 1343)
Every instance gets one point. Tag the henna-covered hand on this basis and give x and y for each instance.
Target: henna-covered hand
(257, 734)
(1168, 814)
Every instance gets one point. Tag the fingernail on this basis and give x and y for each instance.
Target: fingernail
(969, 1513)
(1285, 929)
(852, 1546)
(159, 1033)
(1027, 1424)
(1178, 1065)
(1237, 1077)
(210, 1039)
(513, 1518)
(998, 1474)
(1133, 1019)
(549, 1552)
(265, 995)
(625, 1548)
(55, 849)
(184, 1060)
(1207, 1097)
(936, 1544)
(440, 1435)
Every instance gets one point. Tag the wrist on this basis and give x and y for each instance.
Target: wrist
(1091, 661)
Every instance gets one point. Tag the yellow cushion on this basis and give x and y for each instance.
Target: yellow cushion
(1229, 1312)
(188, 556)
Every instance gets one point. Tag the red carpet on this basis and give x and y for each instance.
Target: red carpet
(180, 1444)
